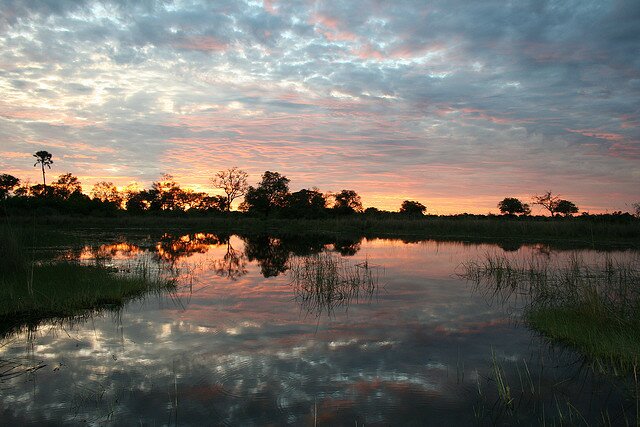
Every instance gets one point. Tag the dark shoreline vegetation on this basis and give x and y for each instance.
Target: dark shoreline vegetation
(271, 208)
(596, 231)
(33, 291)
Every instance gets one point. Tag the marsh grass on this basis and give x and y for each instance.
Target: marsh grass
(593, 307)
(322, 282)
(33, 291)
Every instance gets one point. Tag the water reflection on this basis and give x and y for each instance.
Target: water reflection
(232, 265)
(323, 282)
(238, 351)
(271, 253)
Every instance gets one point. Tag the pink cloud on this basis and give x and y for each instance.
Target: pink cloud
(625, 149)
(629, 121)
(594, 133)
(53, 117)
(269, 6)
(331, 28)
(366, 51)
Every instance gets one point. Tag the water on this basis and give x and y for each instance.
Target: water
(236, 345)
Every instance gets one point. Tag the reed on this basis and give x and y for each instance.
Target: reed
(322, 282)
(593, 307)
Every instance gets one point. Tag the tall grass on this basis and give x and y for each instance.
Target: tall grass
(594, 307)
(322, 282)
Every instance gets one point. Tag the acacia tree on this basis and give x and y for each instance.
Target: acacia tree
(44, 159)
(413, 208)
(512, 206)
(233, 182)
(547, 201)
(566, 207)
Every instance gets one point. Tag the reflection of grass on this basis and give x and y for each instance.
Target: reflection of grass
(31, 292)
(325, 281)
(594, 308)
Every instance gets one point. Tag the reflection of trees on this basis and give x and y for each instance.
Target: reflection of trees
(171, 248)
(510, 246)
(270, 253)
(232, 265)
(347, 247)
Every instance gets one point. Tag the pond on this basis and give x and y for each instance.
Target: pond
(240, 343)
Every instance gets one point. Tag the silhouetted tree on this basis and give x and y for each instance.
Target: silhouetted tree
(66, 185)
(138, 201)
(233, 182)
(44, 158)
(212, 203)
(547, 201)
(347, 202)
(7, 184)
(372, 211)
(270, 194)
(636, 209)
(413, 208)
(566, 208)
(513, 206)
(306, 204)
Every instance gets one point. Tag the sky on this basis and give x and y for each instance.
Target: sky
(455, 104)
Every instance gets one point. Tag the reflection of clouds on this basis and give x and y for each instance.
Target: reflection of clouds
(241, 352)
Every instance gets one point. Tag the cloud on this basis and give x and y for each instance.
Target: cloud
(365, 88)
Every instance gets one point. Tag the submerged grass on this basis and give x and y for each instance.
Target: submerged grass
(593, 307)
(322, 282)
(31, 291)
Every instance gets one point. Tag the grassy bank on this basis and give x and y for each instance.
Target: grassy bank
(31, 292)
(582, 232)
(592, 307)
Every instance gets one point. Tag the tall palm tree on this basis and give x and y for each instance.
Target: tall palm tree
(44, 158)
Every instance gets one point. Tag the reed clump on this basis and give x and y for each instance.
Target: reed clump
(591, 306)
(322, 282)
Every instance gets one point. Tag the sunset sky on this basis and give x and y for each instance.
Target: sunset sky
(457, 104)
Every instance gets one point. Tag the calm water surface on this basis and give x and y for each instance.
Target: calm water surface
(236, 345)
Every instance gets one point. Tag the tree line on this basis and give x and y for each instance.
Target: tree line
(270, 197)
